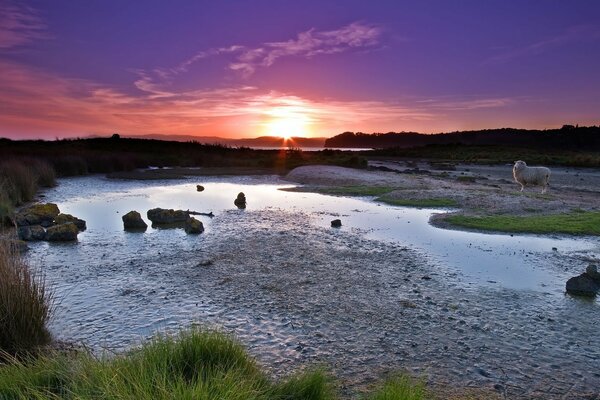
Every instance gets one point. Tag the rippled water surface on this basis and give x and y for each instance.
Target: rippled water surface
(245, 271)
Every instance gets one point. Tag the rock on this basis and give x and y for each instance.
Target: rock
(62, 233)
(592, 271)
(29, 233)
(64, 218)
(132, 221)
(336, 223)
(199, 188)
(163, 216)
(37, 214)
(193, 226)
(240, 201)
(583, 285)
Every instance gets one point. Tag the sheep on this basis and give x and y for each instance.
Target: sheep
(525, 175)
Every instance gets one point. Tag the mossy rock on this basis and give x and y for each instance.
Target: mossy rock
(38, 214)
(193, 226)
(163, 216)
(64, 218)
(62, 233)
(132, 221)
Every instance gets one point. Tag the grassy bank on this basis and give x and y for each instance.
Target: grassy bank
(194, 365)
(421, 203)
(25, 304)
(572, 223)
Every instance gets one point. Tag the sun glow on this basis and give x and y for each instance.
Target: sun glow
(287, 122)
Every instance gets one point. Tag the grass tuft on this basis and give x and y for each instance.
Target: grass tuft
(573, 223)
(400, 387)
(25, 304)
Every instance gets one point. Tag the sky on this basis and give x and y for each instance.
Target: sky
(295, 68)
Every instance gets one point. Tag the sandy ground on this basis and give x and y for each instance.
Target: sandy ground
(476, 189)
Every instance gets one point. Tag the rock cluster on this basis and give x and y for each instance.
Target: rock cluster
(45, 222)
(163, 218)
(586, 284)
(240, 201)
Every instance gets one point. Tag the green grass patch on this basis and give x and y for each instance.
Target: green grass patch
(424, 203)
(194, 365)
(572, 223)
(399, 388)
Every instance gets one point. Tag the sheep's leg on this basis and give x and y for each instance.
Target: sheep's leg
(522, 187)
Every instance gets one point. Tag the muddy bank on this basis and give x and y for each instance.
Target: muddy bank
(476, 190)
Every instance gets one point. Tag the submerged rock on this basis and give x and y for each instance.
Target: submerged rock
(163, 216)
(199, 188)
(193, 226)
(583, 285)
(37, 214)
(336, 223)
(132, 221)
(240, 201)
(64, 218)
(62, 233)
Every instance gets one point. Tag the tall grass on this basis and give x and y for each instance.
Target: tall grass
(195, 365)
(399, 387)
(25, 304)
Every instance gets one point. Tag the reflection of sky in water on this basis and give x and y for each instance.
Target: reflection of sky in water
(481, 258)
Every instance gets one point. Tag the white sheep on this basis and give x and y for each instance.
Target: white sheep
(525, 175)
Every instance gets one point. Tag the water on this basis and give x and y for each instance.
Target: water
(386, 291)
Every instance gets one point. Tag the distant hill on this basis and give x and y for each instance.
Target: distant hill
(567, 137)
(262, 141)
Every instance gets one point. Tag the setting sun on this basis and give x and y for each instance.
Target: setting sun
(287, 121)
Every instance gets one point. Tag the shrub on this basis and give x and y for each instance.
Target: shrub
(25, 304)
(44, 172)
(18, 180)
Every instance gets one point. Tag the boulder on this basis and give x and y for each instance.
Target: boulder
(336, 223)
(37, 214)
(583, 285)
(592, 271)
(64, 218)
(62, 233)
(240, 201)
(30, 233)
(163, 216)
(199, 188)
(132, 221)
(193, 226)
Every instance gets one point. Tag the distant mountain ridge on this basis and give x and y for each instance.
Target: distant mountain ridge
(568, 137)
(262, 141)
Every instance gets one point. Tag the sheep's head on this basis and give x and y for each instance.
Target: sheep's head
(519, 165)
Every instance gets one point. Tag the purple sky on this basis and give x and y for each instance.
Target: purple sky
(311, 68)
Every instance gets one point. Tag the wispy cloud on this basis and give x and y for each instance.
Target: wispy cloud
(19, 25)
(308, 44)
(245, 60)
(570, 35)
